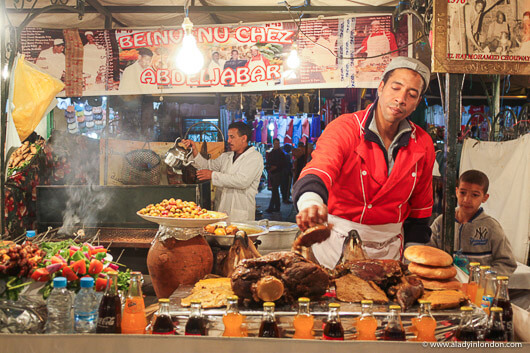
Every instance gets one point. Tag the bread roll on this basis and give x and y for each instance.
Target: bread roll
(432, 272)
(427, 255)
(433, 284)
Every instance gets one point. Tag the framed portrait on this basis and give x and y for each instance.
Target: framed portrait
(481, 36)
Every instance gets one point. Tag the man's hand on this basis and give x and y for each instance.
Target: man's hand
(311, 216)
(204, 174)
(192, 144)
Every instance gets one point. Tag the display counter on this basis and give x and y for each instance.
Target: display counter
(182, 344)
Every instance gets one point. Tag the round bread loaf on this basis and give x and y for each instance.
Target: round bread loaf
(427, 255)
(433, 284)
(432, 272)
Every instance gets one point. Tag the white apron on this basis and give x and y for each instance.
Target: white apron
(377, 45)
(382, 241)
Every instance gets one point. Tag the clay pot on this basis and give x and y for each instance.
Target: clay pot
(175, 262)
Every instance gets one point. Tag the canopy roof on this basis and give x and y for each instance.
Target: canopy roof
(156, 13)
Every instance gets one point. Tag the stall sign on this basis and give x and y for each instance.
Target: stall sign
(348, 51)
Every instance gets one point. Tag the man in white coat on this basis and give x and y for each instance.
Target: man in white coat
(236, 174)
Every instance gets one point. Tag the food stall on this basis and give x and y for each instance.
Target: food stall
(121, 212)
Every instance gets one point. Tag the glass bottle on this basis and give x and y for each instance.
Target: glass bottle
(303, 321)
(109, 313)
(333, 330)
(366, 323)
(489, 291)
(133, 318)
(394, 328)
(269, 327)
(232, 319)
(163, 324)
(425, 324)
(196, 326)
(472, 282)
(466, 330)
(481, 285)
(502, 300)
(495, 330)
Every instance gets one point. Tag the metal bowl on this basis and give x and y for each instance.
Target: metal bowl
(253, 232)
(280, 237)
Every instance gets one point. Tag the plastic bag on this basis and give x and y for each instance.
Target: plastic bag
(32, 91)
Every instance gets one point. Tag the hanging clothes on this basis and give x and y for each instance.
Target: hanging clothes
(259, 127)
(265, 131)
(306, 101)
(294, 105)
(305, 130)
(297, 130)
(281, 109)
(275, 123)
(282, 129)
(315, 128)
(289, 132)
(254, 127)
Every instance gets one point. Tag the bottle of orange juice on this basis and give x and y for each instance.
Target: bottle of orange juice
(232, 318)
(303, 321)
(424, 324)
(133, 319)
(481, 285)
(366, 323)
(472, 283)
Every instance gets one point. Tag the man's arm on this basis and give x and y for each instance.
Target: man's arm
(436, 233)
(416, 226)
(243, 178)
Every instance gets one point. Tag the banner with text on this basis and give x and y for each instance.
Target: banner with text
(350, 51)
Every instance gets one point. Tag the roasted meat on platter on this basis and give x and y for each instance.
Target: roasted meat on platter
(389, 275)
(242, 248)
(283, 276)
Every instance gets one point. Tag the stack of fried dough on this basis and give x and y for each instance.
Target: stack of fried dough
(435, 269)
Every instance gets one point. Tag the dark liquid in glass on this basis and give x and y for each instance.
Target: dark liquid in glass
(195, 327)
(269, 329)
(333, 330)
(163, 326)
(393, 334)
(109, 315)
(466, 334)
(495, 335)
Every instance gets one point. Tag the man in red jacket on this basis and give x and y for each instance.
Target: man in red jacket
(372, 171)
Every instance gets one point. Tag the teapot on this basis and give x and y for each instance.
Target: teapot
(178, 156)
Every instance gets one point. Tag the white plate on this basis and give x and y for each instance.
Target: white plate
(186, 222)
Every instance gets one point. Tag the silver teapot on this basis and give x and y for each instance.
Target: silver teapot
(178, 157)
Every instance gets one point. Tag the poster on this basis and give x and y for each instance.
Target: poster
(334, 52)
(482, 36)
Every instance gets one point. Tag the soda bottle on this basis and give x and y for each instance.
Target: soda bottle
(495, 330)
(470, 289)
(195, 325)
(489, 291)
(269, 327)
(425, 324)
(86, 306)
(133, 319)
(481, 285)
(30, 236)
(394, 328)
(366, 323)
(303, 321)
(109, 313)
(466, 330)
(59, 306)
(163, 324)
(333, 330)
(232, 319)
(502, 300)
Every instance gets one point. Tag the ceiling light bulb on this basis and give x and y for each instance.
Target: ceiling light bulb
(293, 61)
(189, 58)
